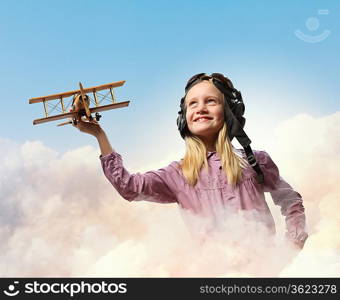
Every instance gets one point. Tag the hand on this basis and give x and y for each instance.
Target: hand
(298, 241)
(90, 127)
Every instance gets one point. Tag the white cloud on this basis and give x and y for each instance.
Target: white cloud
(59, 216)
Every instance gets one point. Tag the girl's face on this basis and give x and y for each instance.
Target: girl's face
(204, 110)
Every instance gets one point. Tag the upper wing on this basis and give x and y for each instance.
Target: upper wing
(70, 93)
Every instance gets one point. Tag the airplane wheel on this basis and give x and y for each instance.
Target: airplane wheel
(74, 121)
(98, 116)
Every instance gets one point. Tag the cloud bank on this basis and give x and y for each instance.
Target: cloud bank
(59, 216)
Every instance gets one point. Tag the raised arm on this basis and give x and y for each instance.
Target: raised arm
(158, 186)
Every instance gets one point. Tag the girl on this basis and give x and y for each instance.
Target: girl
(213, 176)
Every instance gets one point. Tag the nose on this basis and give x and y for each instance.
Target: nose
(201, 108)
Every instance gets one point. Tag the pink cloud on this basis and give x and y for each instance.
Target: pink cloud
(59, 216)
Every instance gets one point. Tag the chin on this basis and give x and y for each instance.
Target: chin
(204, 133)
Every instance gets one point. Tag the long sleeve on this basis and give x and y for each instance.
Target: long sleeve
(292, 208)
(156, 186)
(286, 197)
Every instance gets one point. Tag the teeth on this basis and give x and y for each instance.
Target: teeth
(200, 119)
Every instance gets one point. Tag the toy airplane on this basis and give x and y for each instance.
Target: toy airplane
(80, 105)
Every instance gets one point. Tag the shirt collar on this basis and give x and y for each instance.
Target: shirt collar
(213, 155)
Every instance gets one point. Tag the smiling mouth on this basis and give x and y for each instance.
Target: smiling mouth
(202, 119)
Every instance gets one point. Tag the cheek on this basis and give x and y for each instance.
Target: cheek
(188, 116)
(219, 114)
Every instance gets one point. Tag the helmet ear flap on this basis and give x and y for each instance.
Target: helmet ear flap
(238, 109)
(181, 120)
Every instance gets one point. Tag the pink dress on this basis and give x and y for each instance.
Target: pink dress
(212, 193)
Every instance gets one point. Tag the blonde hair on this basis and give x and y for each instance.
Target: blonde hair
(195, 158)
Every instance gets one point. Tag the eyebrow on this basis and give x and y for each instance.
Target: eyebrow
(209, 96)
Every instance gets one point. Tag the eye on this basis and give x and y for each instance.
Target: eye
(191, 103)
(211, 100)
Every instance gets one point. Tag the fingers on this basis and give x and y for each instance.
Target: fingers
(90, 126)
(298, 241)
(79, 123)
(91, 121)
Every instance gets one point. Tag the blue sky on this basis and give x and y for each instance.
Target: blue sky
(49, 46)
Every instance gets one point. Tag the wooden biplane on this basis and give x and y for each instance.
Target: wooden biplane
(79, 103)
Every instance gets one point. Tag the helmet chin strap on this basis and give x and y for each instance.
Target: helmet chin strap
(235, 129)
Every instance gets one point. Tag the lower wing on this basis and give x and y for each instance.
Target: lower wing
(74, 114)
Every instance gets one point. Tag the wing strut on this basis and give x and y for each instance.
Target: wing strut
(112, 95)
(95, 98)
(45, 108)
(62, 104)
